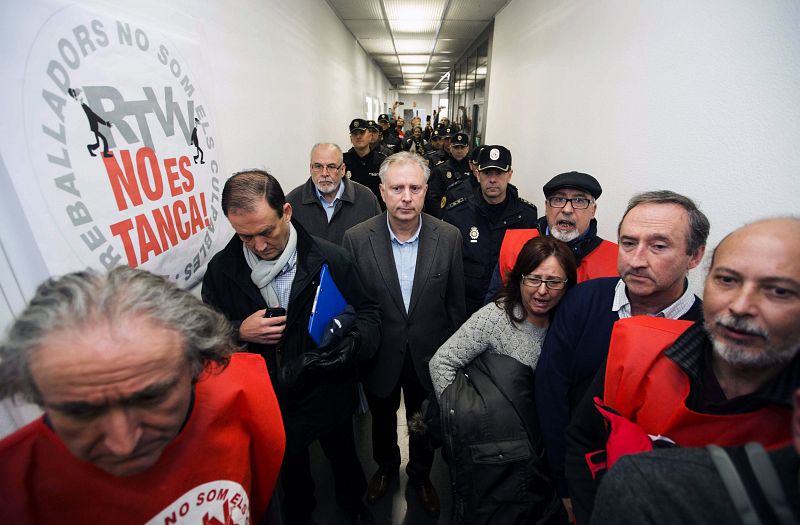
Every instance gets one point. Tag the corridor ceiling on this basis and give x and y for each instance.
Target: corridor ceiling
(416, 42)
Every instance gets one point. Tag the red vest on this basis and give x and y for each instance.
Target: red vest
(220, 469)
(650, 390)
(600, 262)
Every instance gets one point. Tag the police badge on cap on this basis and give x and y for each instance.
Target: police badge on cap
(494, 157)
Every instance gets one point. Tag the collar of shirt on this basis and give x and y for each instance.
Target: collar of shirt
(339, 192)
(394, 238)
(622, 305)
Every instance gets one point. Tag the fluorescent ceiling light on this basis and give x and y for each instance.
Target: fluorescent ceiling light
(413, 46)
(413, 69)
(413, 26)
(413, 59)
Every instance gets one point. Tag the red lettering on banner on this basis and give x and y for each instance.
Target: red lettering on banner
(161, 229)
(129, 181)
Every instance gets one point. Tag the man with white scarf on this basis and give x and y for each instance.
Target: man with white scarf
(272, 262)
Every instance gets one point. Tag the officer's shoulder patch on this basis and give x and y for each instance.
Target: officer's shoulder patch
(530, 204)
(455, 203)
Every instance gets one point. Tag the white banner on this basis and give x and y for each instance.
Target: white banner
(111, 145)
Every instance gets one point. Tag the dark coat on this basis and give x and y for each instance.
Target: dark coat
(356, 205)
(483, 235)
(436, 308)
(228, 288)
(494, 450)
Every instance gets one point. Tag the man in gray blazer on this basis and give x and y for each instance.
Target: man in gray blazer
(412, 263)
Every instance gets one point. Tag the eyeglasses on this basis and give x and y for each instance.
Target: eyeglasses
(535, 282)
(579, 203)
(320, 168)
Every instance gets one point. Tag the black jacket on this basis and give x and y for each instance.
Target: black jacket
(483, 234)
(364, 170)
(228, 288)
(493, 446)
(442, 176)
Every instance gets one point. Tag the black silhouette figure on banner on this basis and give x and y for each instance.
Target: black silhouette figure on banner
(94, 124)
(196, 143)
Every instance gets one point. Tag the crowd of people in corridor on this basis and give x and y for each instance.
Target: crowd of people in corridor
(565, 377)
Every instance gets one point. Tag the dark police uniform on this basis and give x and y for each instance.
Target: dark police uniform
(372, 125)
(445, 174)
(483, 225)
(364, 170)
(390, 140)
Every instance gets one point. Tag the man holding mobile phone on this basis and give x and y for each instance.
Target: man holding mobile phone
(273, 264)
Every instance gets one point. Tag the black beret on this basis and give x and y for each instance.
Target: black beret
(573, 179)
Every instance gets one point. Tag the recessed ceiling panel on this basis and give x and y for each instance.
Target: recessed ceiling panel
(414, 28)
(413, 46)
(474, 9)
(414, 9)
(462, 29)
(367, 28)
(413, 59)
(357, 9)
(379, 46)
(452, 46)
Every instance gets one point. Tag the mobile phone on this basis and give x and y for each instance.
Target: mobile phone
(427, 118)
(275, 312)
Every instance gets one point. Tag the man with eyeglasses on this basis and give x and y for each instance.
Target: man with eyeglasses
(454, 169)
(570, 206)
(411, 262)
(662, 236)
(483, 218)
(361, 161)
(328, 203)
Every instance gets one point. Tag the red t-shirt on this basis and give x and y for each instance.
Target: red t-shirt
(221, 469)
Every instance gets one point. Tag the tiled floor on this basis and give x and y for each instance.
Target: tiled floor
(400, 505)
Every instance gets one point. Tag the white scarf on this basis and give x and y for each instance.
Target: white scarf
(264, 272)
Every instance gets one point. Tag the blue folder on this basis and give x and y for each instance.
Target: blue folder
(328, 303)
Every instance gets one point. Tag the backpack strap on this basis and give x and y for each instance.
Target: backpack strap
(733, 484)
(768, 482)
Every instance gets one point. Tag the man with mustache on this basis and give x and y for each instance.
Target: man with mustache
(725, 380)
(662, 236)
(328, 203)
(570, 205)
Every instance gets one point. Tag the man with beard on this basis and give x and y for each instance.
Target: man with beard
(328, 203)
(726, 380)
(570, 206)
(662, 236)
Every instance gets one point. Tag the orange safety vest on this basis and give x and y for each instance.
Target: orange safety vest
(600, 262)
(649, 389)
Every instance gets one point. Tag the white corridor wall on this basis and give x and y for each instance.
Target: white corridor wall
(697, 96)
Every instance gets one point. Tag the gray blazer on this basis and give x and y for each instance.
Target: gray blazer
(437, 307)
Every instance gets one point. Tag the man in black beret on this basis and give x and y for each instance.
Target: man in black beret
(570, 205)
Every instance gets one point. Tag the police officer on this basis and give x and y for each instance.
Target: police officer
(374, 132)
(434, 142)
(484, 217)
(454, 169)
(362, 162)
(467, 185)
(439, 157)
(390, 140)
